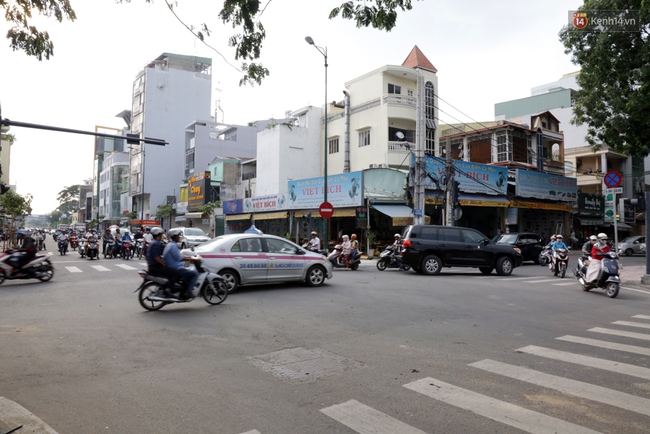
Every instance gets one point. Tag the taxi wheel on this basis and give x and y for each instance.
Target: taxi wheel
(316, 276)
(230, 278)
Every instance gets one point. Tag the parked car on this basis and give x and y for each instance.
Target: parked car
(191, 237)
(529, 243)
(428, 248)
(248, 259)
(631, 245)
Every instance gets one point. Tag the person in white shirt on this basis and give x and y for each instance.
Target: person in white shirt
(314, 243)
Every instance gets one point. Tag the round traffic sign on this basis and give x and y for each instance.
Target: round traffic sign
(326, 210)
(613, 179)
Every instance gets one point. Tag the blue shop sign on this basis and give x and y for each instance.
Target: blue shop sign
(473, 177)
(233, 206)
(544, 186)
(343, 190)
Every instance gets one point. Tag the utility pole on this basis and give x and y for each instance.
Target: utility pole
(420, 135)
(449, 218)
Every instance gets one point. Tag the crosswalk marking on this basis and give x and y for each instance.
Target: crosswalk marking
(126, 267)
(606, 344)
(634, 335)
(592, 362)
(633, 324)
(500, 411)
(74, 269)
(642, 316)
(515, 278)
(544, 280)
(253, 431)
(366, 420)
(565, 385)
(100, 268)
(564, 284)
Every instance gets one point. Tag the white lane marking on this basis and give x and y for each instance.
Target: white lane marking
(564, 284)
(620, 333)
(126, 267)
(515, 278)
(74, 269)
(592, 362)
(543, 280)
(366, 420)
(565, 385)
(606, 344)
(635, 290)
(100, 268)
(642, 316)
(144, 264)
(633, 324)
(500, 411)
(253, 431)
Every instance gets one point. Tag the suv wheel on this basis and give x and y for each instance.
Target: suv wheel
(431, 265)
(504, 266)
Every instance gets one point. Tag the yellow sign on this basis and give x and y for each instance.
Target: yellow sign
(536, 205)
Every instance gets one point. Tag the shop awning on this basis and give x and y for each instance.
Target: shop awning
(338, 213)
(623, 226)
(540, 205)
(484, 200)
(401, 215)
(232, 217)
(590, 221)
(193, 215)
(270, 215)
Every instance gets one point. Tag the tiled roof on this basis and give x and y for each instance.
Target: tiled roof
(417, 59)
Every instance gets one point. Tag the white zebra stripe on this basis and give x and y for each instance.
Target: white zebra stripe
(74, 269)
(620, 333)
(366, 420)
(126, 267)
(100, 268)
(633, 324)
(642, 316)
(605, 344)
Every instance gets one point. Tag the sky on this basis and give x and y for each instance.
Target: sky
(485, 52)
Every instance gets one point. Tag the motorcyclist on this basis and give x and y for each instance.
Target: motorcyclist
(597, 254)
(550, 243)
(156, 264)
(395, 247)
(172, 256)
(126, 237)
(23, 255)
(106, 239)
(92, 238)
(117, 238)
(63, 238)
(558, 244)
(73, 240)
(314, 243)
(586, 247)
(346, 247)
(40, 239)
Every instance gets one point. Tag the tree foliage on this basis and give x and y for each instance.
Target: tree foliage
(207, 209)
(614, 100)
(164, 210)
(69, 199)
(16, 205)
(243, 15)
(26, 37)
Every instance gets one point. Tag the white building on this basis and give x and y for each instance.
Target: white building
(112, 184)
(170, 93)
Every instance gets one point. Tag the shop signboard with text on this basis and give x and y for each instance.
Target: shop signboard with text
(272, 202)
(233, 206)
(473, 177)
(592, 205)
(343, 190)
(198, 190)
(539, 185)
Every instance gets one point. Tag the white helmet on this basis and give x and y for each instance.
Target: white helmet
(398, 236)
(173, 232)
(602, 236)
(593, 238)
(559, 237)
(156, 231)
(553, 237)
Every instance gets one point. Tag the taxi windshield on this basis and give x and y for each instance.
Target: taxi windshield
(211, 245)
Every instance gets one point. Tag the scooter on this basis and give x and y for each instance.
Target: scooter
(127, 250)
(609, 278)
(73, 243)
(322, 251)
(154, 293)
(139, 248)
(108, 251)
(38, 268)
(545, 256)
(387, 260)
(335, 259)
(63, 246)
(93, 250)
(560, 262)
(82, 247)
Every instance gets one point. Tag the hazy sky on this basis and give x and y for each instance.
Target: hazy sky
(485, 52)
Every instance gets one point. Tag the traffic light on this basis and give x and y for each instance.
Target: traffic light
(133, 139)
(455, 194)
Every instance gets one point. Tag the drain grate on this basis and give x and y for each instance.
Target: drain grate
(301, 365)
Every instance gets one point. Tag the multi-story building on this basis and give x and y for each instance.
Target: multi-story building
(104, 146)
(112, 186)
(170, 93)
(5, 154)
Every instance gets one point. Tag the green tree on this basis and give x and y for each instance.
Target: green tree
(164, 211)
(55, 217)
(69, 198)
(243, 15)
(614, 100)
(15, 206)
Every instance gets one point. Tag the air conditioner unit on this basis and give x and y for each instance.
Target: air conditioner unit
(373, 166)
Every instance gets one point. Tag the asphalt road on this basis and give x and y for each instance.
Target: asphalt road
(370, 351)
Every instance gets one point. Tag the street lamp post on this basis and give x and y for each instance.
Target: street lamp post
(323, 51)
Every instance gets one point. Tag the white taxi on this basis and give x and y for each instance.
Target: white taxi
(251, 259)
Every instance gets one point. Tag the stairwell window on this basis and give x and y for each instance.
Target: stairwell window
(333, 145)
(364, 138)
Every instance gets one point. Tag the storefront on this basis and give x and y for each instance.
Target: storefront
(590, 215)
(273, 223)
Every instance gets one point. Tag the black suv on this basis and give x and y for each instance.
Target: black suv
(530, 244)
(428, 248)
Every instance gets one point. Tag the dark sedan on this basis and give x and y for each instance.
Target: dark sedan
(529, 243)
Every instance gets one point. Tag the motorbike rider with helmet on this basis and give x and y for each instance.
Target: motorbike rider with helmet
(92, 238)
(174, 260)
(126, 237)
(558, 244)
(106, 238)
(314, 243)
(586, 248)
(550, 243)
(24, 254)
(395, 247)
(156, 264)
(597, 254)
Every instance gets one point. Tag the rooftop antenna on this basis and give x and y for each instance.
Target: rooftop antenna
(217, 108)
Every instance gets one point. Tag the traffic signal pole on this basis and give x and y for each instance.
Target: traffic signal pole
(449, 208)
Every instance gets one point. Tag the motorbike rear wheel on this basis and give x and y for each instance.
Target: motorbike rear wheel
(150, 288)
(612, 290)
(382, 264)
(562, 270)
(48, 270)
(215, 292)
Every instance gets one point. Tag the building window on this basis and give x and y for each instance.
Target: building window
(364, 138)
(409, 92)
(394, 89)
(504, 147)
(334, 145)
(430, 116)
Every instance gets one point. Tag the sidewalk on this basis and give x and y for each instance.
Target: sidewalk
(631, 277)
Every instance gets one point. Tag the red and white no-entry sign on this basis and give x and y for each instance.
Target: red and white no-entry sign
(326, 210)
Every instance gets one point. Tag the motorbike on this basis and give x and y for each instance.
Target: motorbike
(108, 251)
(335, 259)
(153, 292)
(63, 246)
(387, 260)
(609, 278)
(41, 244)
(82, 247)
(127, 249)
(74, 243)
(322, 251)
(139, 248)
(559, 262)
(93, 249)
(545, 256)
(39, 268)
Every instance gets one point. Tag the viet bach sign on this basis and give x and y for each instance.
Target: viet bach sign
(343, 190)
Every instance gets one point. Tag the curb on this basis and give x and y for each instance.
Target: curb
(14, 415)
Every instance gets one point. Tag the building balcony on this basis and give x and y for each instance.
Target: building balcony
(398, 153)
(400, 106)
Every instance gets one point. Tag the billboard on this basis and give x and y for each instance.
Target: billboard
(343, 190)
(198, 191)
(539, 185)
